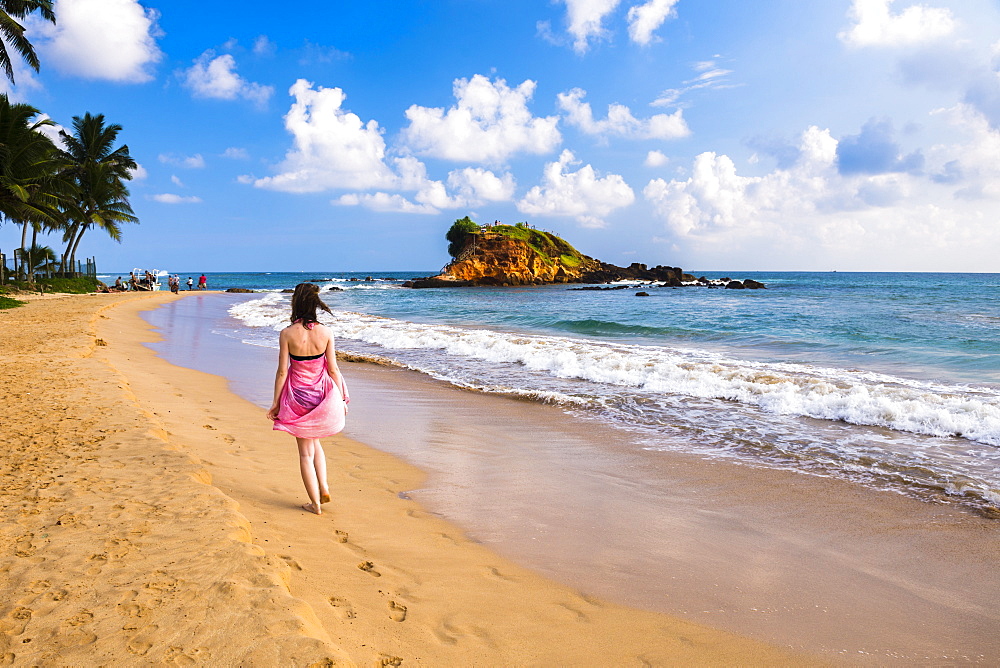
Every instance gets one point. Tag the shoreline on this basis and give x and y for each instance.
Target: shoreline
(163, 483)
(816, 564)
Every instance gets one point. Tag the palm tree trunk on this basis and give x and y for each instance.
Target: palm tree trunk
(72, 257)
(31, 260)
(70, 237)
(24, 240)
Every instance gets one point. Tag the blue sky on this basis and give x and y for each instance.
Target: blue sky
(847, 134)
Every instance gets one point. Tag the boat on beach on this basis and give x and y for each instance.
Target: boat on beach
(148, 280)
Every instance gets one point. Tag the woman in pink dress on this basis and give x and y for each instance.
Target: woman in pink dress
(310, 397)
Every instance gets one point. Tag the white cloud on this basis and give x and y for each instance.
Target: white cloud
(176, 181)
(139, 173)
(620, 120)
(489, 123)
(581, 194)
(51, 131)
(643, 20)
(876, 25)
(262, 46)
(332, 147)
(656, 159)
(810, 213)
(170, 198)
(584, 18)
(100, 39)
(710, 77)
(24, 78)
(385, 203)
(214, 76)
(716, 197)
(470, 187)
(190, 162)
(236, 153)
(474, 185)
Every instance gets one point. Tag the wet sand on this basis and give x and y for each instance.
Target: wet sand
(150, 516)
(817, 565)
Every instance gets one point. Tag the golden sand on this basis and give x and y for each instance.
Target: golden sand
(150, 516)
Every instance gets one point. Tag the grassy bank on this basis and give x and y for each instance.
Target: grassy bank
(8, 302)
(81, 285)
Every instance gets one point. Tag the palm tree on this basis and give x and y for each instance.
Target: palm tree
(31, 188)
(37, 259)
(106, 206)
(99, 172)
(12, 32)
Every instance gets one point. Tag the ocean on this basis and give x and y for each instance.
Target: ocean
(889, 380)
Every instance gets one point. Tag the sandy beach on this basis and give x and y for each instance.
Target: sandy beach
(150, 516)
(847, 572)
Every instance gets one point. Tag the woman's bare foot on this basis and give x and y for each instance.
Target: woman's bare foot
(324, 497)
(310, 508)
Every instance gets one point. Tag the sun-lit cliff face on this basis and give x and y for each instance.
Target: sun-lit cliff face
(513, 255)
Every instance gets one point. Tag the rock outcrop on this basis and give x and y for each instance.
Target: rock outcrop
(506, 255)
(512, 255)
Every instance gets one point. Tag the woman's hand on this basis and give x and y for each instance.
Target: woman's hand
(272, 413)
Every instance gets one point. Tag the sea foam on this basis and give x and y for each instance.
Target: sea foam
(855, 397)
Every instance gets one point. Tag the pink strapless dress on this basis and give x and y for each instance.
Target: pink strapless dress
(310, 405)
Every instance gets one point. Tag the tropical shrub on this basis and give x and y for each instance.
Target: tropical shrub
(459, 233)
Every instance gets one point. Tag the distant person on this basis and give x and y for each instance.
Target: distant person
(190, 283)
(175, 284)
(310, 397)
(118, 284)
(202, 282)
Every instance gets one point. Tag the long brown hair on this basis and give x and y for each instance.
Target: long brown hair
(305, 301)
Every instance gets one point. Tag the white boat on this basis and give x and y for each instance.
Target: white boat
(147, 280)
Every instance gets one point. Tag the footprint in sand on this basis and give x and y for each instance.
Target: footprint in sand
(75, 631)
(23, 547)
(397, 612)
(340, 535)
(581, 617)
(80, 618)
(99, 561)
(208, 426)
(141, 643)
(290, 561)
(181, 657)
(493, 572)
(446, 633)
(386, 660)
(38, 586)
(19, 620)
(342, 607)
(369, 567)
(57, 595)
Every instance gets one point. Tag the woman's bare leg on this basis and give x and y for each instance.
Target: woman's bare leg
(319, 464)
(307, 454)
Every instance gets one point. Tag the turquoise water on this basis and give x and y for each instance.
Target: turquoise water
(890, 380)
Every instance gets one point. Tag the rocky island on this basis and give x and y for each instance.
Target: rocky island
(513, 255)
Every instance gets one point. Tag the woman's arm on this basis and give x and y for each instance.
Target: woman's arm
(334, 369)
(280, 374)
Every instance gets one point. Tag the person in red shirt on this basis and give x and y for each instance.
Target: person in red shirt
(202, 282)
